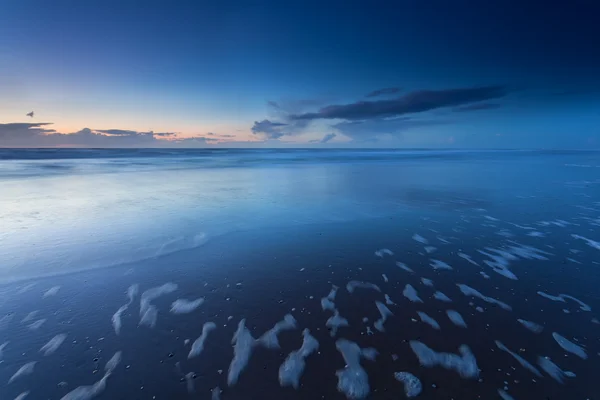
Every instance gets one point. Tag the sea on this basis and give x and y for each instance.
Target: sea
(134, 274)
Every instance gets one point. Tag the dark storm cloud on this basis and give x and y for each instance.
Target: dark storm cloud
(21, 131)
(477, 107)
(384, 92)
(411, 103)
(272, 130)
(328, 137)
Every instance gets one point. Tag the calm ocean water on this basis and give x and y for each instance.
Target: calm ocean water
(478, 274)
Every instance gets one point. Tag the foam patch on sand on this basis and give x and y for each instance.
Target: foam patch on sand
(34, 326)
(292, 368)
(22, 395)
(412, 384)
(470, 292)
(383, 252)
(468, 258)
(532, 326)
(456, 318)
(554, 370)
(198, 344)
(242, 350)
(30, 316)
(352, 379)
(430, 249)
(91, 391)
(442, 297)
(25, 370)
(524, 363)
(116, 318)
(500, 259)
(52, 291)
(336, 321)
(504, 395)
(428, 320)
(404, 267)
(562, 298)
(148, 312)
(463, 363)
(269, 338)
(388, 300)
(569, 346)
(420, 239)
(53, 344)
(427, 282)
(385, 314)
(353, 285)
(327, 303)
(184, 306)
(411, 294)
(437, 264)
(2, 347)
(385, 278)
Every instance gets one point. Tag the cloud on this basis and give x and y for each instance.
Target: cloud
(371, 130)
(327, 138)
(38, 135)
(384, 92)
(410, 103)
(23, 131)
(271, 130)
(477, 107)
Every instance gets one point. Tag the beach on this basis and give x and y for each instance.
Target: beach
(506, 240)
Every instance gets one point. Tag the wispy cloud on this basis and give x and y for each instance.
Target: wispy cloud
(271, 130)
(384, 92)
(477, 107)
(327, 137)
(411, 103)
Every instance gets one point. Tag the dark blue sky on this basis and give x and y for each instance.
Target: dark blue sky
(454, 74)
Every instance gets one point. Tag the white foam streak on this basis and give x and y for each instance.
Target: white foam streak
(26, 369)
(113, 363)
(427, 282)
(388, 300)
(352, 285)
(34, 326)
(562, 298)
(352, 379)
(149, 313)
(456, 318)
(198, 344)
(411, 294)
(242, 350)
(52, 291)
(2, 347)
(87, 392)
(468, 258)
(22, 396)
(420, 239)
(569, 346)
(53, 344)
(269, 338)
(385, 313)
(116, 318)
(590, 242)
(412, 384)
(184, 306)
(469, 291)
(504, 395)
(442, 297)
(554, 370)
(464, 363)
(428, 320)
(336, 321)
(524, 363)
(438, 264)
(382, 252)
(30, 316)
(404, 267)
(532, 326)
(293, 367)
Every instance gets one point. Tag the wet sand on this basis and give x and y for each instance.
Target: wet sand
(262, 275)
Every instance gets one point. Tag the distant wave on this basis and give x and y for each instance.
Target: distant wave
(22, 163)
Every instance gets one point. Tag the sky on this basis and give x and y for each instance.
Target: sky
(391, 74)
